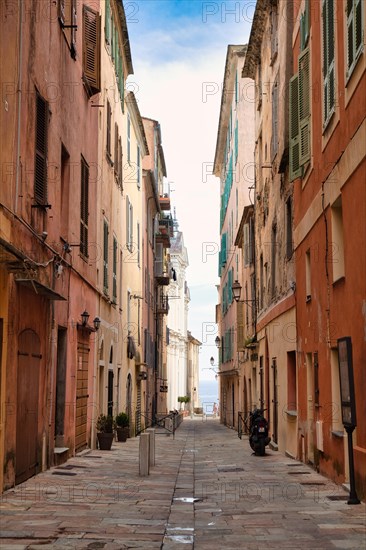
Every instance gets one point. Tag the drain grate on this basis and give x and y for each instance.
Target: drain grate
(92, 456)
(230, 469)
(312, 483)
(64, 473)
(296, 473)
(337, 497)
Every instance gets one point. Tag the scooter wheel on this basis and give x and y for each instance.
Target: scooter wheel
(261, 447)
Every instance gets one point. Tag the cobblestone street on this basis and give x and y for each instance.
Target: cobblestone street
(206, 490)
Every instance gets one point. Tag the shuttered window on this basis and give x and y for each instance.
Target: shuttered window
(114, 289)
(138, 167)
(67, 18)
(120, 163)
(274, 141)
(328, 60)
(355, 33)
(129, 224)
(128, 138)
(236, 142)
(304, 105)
(305, 26)
(295, 168)
(41, 148)
(116, 150)
(105, 256)
(109, 123)
(107, 23)
(91, 50)
(84, 208)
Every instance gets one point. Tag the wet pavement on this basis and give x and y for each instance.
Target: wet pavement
(206, 490)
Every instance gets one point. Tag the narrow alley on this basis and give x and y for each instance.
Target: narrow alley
(206, 490)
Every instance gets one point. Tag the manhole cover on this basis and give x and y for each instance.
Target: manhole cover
(337, 497)
(64, 474)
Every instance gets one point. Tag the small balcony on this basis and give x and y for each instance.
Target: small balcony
(166, 225)
(163, 238)
(162, 305)
(164, 201)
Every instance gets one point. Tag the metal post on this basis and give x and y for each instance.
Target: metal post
(353, 498)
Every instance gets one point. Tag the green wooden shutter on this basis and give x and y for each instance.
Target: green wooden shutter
(304, 106)
(105, 256)
(304, 26)
(91, 48)
(84, 208)
(295, 168)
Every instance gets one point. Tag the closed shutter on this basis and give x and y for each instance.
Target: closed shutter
(274, 141)
(114, 290)
(107, 23)
(84, 205)
(91, 48)
(109, 122)
(105, 256)
(246, 244)
(328, 60)
(304, 26)
(240, 325)
(304, 106)
(41, 146)
(295, 168)
(116, 150)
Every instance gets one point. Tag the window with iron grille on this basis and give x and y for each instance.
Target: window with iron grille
(84, 208)
(41, 147)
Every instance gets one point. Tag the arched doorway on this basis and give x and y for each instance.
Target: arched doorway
(29, 360)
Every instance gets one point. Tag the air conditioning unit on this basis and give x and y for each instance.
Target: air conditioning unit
(319, 435)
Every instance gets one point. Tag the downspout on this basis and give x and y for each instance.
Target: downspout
(19, 92)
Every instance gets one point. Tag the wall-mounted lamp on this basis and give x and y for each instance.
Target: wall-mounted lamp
(217, 341)
(236, 289)
(84, 322)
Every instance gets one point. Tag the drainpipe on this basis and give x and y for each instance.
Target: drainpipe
(19, 92)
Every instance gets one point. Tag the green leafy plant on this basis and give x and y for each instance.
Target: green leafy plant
(105, 424)
(122, 420)
(184, 399)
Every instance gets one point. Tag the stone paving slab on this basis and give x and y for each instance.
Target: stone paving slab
(206, 491)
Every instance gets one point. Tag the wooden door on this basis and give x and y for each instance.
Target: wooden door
(81, 397)
(29, 359)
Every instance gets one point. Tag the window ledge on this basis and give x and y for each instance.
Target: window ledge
(339, 281)
(337, 433)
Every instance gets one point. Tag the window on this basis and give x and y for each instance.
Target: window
(120, 163)
(308, 275)
(138, 244)
(316, 380)
(84, 208)
(354, 33)
(108, 22)
(337, 240)
(138, 168)
(328, 61)
(300, 143)
(65, 191)
(109, 129)
(274, 31)
(274, 140)
(273, 260)
(236, 142)
(67, 18)
(291, 381)
(128, 138)
(91, 50)
(116, 159)
(41, 151)
(129, 227)
(261, 282)
(114, 270)
(105, 256)
(304, 26)
(289, 239)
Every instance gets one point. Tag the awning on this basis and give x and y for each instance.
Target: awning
(40, 289)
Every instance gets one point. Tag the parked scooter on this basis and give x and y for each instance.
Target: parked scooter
(258, 431)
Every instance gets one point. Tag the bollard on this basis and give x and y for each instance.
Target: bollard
(151, 432)
(144, 454)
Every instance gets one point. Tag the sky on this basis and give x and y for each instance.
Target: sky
(178, 52)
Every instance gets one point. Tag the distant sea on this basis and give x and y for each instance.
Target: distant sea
(208, 394)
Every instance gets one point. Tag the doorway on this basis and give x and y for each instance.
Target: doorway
(60, 387)
(29, 360)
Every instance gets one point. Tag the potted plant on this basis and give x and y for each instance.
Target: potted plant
(183, 399)
(105, 432)
(122, 426)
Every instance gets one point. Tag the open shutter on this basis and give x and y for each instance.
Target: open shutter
(295, 169)
(91, 48)
(116, 149)
(107, 23)
(105, 256)
(328, 60)
(358, 28)
(114, 290)
(40, 171)
(246, 245)
(304, 106)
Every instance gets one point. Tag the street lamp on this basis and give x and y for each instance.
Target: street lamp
(212, 361)
(236, 290)
(217, 342)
